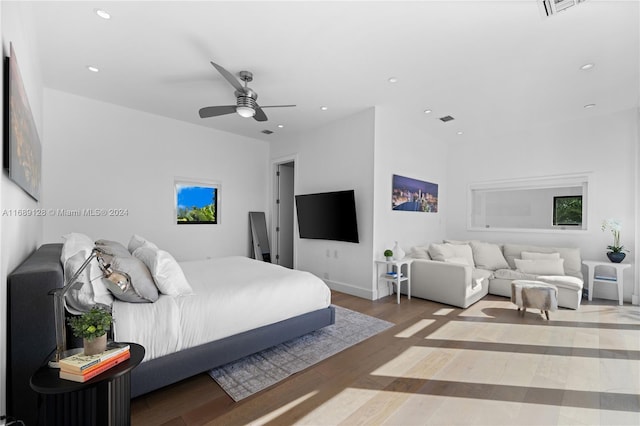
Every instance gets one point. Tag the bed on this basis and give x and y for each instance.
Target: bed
(263, 295)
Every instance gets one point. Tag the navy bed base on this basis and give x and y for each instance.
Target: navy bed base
(31, 336)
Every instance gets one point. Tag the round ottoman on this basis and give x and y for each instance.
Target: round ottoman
(534, 294)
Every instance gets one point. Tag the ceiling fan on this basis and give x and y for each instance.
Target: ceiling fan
(246, 105)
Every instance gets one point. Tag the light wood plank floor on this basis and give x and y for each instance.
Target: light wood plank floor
(440, 365)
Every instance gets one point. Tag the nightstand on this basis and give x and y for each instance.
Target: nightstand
(618, 279)
(103, 400)
(402, 275)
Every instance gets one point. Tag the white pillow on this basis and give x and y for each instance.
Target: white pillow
(488, 256)
(76, 248)
(540, 266)
(529, 255)
(137, 241)
(442, 252)
(166, 272)
(419, 252)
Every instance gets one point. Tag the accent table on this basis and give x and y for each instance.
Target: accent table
(103, 400)
(618, 279)
(400, 276)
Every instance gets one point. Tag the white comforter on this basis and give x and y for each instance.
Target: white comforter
(231, 295)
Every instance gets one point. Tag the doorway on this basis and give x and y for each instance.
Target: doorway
(284, 209)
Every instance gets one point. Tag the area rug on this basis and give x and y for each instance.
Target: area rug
(254, 373)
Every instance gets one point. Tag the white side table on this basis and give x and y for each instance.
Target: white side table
(400, 277)
(618, 279)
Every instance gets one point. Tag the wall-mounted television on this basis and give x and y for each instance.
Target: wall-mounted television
(328, 216)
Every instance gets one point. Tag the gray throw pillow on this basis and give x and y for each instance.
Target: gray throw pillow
(142, 289)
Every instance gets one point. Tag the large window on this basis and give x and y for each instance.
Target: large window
(545, 203)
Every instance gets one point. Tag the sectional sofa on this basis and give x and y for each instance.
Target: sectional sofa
(460, 273)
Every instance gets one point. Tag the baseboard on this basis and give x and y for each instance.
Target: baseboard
(351, 289)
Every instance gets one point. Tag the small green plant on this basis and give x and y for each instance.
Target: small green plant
(388, 253)
(91, 324)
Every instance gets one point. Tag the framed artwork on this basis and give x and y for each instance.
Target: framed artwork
(197, 202)
(22, 151)
(414, 195)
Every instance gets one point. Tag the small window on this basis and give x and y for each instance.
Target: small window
(567, 211)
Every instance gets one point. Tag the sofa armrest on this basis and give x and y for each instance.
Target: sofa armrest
(444, 282)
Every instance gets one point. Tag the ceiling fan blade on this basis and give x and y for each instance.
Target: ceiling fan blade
(277, 106)
(229, 77)
(260, 115)
(214, 111)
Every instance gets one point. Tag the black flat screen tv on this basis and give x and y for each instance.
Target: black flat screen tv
(328, 216)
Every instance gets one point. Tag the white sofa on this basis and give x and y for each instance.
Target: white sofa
(460, 273)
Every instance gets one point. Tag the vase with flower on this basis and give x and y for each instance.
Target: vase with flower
(616, 251)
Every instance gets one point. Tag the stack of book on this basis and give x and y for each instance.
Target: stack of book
(81, 367)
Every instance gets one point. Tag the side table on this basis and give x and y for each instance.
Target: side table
(103, 400)
(400, 277)
(618, 279)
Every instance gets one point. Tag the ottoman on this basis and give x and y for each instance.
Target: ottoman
(534, 294)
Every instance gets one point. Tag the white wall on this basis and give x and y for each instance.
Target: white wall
(604, 146)
(19, 236)
(100, 155)
(403, 147)
(338, 156)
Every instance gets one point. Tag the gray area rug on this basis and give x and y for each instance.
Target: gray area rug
(254, 373)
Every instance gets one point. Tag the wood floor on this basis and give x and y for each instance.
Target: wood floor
(440, 365)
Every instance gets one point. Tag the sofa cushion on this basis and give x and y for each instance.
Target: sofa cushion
(510, 274)
(562, 281)
(488, 256)
(446, 251)
(540, 266)
(528, 255)
(419, 252)
(478, 275)
(458, 260)
(572, 262)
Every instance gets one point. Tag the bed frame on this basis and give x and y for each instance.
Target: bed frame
(31, 337)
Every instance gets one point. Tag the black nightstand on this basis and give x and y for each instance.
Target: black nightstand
(103, 400)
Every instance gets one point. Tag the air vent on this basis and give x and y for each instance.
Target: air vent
(446, 118)
(267, 132)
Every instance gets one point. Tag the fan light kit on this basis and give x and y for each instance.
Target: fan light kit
(246, 99)
(102, 13)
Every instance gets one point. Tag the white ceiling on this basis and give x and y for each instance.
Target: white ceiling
(493, 65)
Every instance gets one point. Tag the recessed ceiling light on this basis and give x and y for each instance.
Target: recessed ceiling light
(460, 133)
(393, 80)
(324, 108)
(92, 68)
(102, 13)
(587, 66)
(427, 111)
(280, 126)
(587, 106)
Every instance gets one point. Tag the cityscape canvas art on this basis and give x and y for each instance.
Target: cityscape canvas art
(414, 195)
(22, 150)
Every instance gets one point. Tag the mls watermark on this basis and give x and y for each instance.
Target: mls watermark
(88, 212)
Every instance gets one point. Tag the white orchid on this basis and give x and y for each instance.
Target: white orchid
(615, 226)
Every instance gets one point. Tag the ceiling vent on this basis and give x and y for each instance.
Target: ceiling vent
(267, 132)
(446, 118)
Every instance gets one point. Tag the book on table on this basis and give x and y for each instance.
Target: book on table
(95, 370)
(79, 362)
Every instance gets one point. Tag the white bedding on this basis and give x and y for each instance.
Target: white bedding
(231, 295)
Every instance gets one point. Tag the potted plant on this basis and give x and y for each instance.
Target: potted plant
(616, 251)
(92, 327)
(388, 254)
